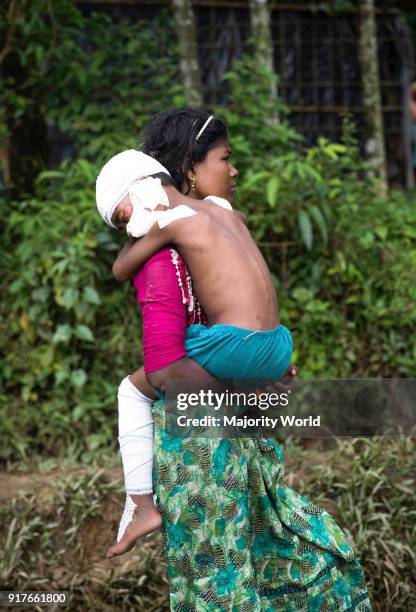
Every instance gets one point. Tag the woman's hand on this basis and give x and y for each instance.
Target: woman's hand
(284, 384)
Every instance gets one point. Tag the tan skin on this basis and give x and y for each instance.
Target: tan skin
(235, 288)
(253, 304)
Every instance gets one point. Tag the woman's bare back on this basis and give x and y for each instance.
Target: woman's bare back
(229, 274)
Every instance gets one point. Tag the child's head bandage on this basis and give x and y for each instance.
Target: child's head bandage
(145, 196)
(120, 176)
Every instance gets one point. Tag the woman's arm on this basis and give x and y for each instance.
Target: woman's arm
(137, 251)
(184, 368)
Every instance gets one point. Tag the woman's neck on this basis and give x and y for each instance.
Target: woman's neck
(175, 197)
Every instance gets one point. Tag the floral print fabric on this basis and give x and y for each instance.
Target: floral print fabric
(238, 539)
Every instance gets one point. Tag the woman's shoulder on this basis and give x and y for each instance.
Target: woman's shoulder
(220, 202)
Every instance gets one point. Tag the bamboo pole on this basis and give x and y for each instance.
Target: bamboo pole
(371, 91)
(261, 32)
(5, 144)
(188, 52)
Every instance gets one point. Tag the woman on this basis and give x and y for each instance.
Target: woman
(236, 538)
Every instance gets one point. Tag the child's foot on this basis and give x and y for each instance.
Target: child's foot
(140, 518)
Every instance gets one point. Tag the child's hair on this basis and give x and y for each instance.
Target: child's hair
(170, 137)
(165, 179)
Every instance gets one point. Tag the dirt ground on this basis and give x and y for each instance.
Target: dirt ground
(83, 565)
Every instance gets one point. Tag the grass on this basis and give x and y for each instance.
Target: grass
(55, 532)
(369, 486)
(55, 538)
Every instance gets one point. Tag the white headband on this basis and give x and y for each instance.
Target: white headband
(118, 175)
(203, 127)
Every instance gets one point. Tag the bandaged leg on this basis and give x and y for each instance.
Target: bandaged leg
(135, 427)
(136, 446)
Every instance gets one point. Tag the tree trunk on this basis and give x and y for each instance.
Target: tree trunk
(262, 37)
(371, 91)
(188, 52)
(5, 144)
(5, 172)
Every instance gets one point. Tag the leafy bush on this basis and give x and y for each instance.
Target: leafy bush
(93, 80)
(70, 332)
(343, 256)
(368, 485)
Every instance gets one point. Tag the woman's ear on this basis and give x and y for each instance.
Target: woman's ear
(190, 180)
(190, 175)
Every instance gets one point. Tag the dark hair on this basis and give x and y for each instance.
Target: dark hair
(165, 179)
(170, 137)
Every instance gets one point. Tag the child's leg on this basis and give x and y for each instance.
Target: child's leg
(136, 447)
(135, 425)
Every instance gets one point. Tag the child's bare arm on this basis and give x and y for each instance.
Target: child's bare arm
(136, 252)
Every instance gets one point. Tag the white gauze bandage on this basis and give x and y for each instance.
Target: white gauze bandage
(128, 174)
(118, 175)
(145, 195)
(135, 426)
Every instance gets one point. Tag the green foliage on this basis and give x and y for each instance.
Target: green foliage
(370, 484)
(343, 256)
(94, 79)
(68, 324)
(68, 331)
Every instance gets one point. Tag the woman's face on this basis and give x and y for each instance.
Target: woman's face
(215, 175)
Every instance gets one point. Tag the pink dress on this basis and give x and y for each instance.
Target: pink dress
(168, 306)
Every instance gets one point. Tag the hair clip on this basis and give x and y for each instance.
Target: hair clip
(204, 126)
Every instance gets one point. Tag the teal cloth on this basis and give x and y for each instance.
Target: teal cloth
(238, 539)
(229, 352)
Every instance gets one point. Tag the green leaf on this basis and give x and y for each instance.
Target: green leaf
(301, 294)
(78, 411)
(70, 298)
(16, 286)
(84, 333)
(60, 376)
(255, 178)
(305, 227)
(41, 294)
(49, 174)
(78, 378)
(318, 217)
(381, 232)
(63, 333)
(272, 191)
(90, 295)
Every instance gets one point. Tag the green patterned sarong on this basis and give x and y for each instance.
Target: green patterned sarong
(238, 539)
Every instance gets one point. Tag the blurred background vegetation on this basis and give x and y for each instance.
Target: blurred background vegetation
(341, 250)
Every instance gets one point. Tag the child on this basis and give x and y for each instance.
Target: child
(244, 339)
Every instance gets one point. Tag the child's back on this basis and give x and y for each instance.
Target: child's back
(229, 274)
